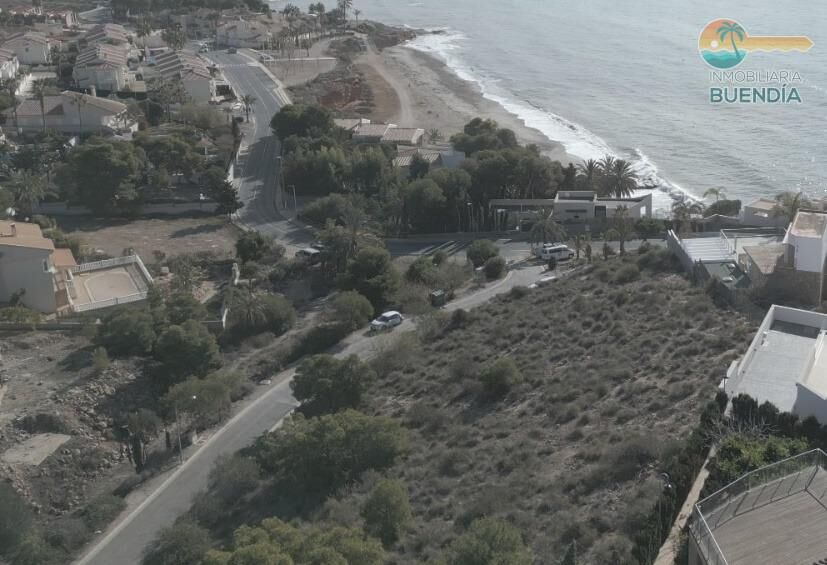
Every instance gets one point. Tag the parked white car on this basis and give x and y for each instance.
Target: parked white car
(557, 250)
(386, 321)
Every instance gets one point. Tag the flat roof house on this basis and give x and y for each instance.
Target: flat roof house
(786, 363)
(585, 205)
(761, 213)
(50, 281)
(775, 515)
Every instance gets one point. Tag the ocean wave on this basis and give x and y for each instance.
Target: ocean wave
(445, 45)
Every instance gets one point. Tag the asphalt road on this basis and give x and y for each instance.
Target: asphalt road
(257, 167)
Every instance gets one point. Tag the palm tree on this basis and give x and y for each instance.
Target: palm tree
(12, 85)
(229, 111)
(434, 135)
(622, 181)
(39, 90)
(247, 309)
(344, 6)
(578, 245)
(80, 101)
(590, 169)
(357, 13)
(731, 29)
(718, 193)
(789, 203)
(248, 100)
(683, 211)
(546, 229)
(28, 190)
(606, 164)
(144, 27)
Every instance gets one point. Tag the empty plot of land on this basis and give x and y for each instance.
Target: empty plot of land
(34, 450)
(172, 236)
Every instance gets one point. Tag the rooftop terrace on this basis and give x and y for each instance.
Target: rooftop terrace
(775, 515)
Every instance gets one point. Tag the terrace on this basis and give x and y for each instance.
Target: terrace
(775, 515)
(111, 282)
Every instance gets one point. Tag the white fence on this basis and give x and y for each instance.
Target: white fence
(138, 296)
(106, 264)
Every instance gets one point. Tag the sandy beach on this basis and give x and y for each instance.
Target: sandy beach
(425, 93)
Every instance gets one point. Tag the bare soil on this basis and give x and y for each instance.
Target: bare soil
(172, 236)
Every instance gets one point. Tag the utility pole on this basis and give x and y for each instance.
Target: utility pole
(178, 430)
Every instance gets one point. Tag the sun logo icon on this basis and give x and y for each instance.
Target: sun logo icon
(724, 43)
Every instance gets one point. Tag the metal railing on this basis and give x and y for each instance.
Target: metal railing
(755, 489)
(111, 302)
(104, 264)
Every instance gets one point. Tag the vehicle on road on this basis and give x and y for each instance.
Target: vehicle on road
(386, 321)
(309, 254)
(543, 282)
(232, 51)
(557, 250)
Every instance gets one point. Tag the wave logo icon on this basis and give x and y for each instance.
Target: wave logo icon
(724, 44)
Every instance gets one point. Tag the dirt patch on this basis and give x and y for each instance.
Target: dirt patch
(172, 236)
(34, 450)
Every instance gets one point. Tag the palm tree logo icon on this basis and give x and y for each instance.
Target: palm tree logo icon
(724, 43)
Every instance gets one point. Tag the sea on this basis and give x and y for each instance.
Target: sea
(625, 77)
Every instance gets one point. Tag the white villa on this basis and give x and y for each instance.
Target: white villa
(31, 48)
(71, 112)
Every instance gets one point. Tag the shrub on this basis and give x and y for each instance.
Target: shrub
(100, 360)
(324, 384)
(232, 477)
(332, 207)
(481, 251)
(494, 268)
(279, 314)
(439, 257)
(626, 274)
(490, 541)
(127, 332)
(15, 519)
(20, 315)
(422, 270)
(102, 510)
(182, 544)
(387, 511)
(351, 310)
(208, 400)
(723, 207)
(498, 377)
(320, 455)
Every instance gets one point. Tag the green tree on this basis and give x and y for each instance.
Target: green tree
(495, 268)
(322, 454)
(187, 273)
(490, 541)
(731, 30)
(102, 175)
(682, 213)
(182, 544)
(623, 227)
(481, 251)
(28, 189)
(174, 37)
(187, 349)
(222, 191)
(302, 121)
(232, 477)
(590, 173)
(183, 306)
(129, 331)
(419, 167)
(372, 274)
(620, 181)
(252, 313)
(207, 400)
(252, 246)
(424, 203)
(351, 310)
(387, 511)
(325, 384)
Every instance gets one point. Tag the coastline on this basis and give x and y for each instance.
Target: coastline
(430, 96)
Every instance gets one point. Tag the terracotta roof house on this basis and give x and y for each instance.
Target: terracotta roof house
(190, 70)
(71, 112)
(31, 48)
(103, 66)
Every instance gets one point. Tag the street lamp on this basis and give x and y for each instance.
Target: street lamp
(178, 430)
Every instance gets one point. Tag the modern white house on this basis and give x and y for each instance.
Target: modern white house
(71, 112)
(436, 156)
(786, 363)
(31, 48)
(9, 64)
(762, 213)
(103, 66)
(190, 70)
(50, 281)
(585, 205)
(243, 33)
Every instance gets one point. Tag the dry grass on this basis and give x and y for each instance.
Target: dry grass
(613, 376)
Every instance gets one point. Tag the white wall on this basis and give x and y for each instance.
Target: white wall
(22, 267)
(29, 52)
(808, 403)
(200, 90)
(574, 210)
(102, 78)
